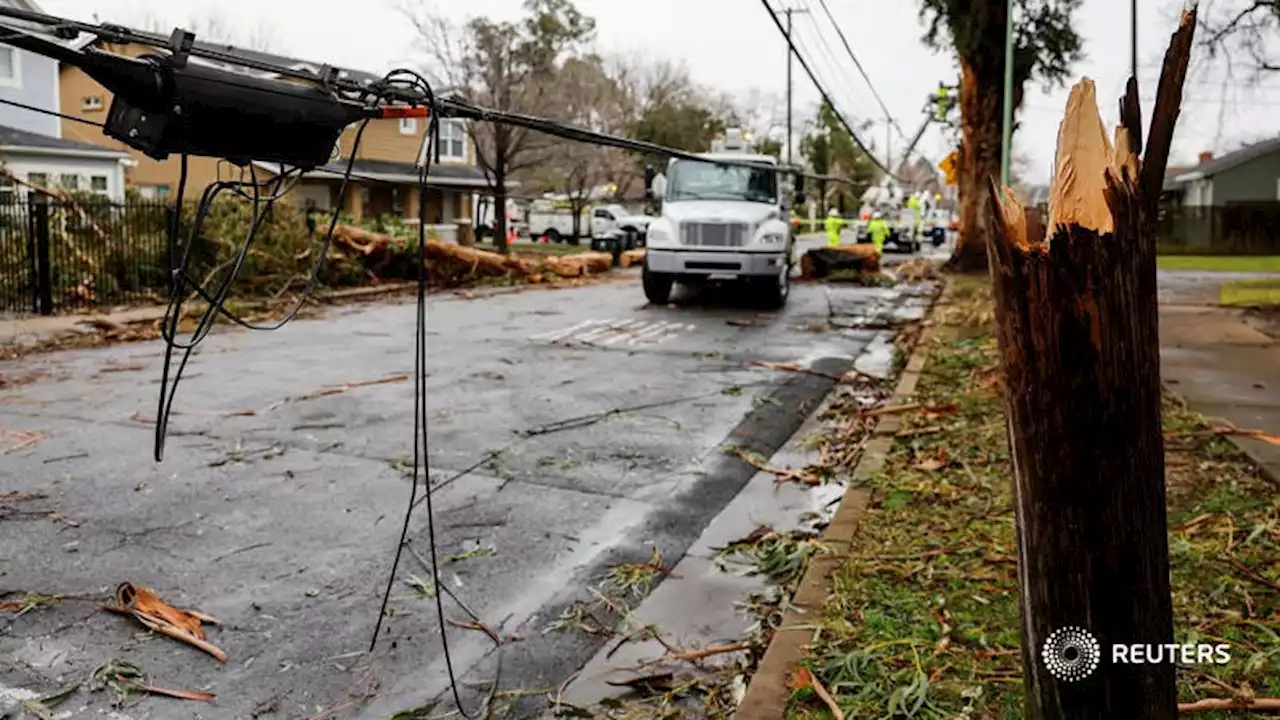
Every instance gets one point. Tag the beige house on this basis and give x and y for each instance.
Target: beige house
(384, 176)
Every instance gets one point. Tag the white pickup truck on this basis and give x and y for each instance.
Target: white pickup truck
(720, 221)
(553, 219)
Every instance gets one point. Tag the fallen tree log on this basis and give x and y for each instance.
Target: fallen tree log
(577, 265)
(1076, 317)
(451, 264)
(821, 262)
(632, 258)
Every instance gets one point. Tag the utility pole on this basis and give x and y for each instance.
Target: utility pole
(888, 142)
(789, 12)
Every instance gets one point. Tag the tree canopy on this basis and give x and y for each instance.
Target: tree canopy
(1046, 44)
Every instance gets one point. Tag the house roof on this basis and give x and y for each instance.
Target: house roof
(1231, 160)
(1171, 174)
(12, 139)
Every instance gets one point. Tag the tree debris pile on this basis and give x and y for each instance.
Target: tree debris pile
(451, 265)
(823, 262)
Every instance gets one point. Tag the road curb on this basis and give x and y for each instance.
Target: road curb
(768, 692)
(1268, 472)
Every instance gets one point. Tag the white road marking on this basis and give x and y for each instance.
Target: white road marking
(615, 332)
(554, 335)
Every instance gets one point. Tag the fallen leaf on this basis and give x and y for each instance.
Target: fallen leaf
(742, 323)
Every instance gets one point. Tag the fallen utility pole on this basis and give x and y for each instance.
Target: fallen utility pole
(1077, 318)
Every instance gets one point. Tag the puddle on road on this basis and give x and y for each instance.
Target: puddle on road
(876, 359)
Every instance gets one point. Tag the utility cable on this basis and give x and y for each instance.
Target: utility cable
(858, 64)
(825, 96)
(421, 448)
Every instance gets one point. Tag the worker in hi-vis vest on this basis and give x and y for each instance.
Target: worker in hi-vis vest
(913, 205)
(943, 104)
(878, 231)
(834, 224)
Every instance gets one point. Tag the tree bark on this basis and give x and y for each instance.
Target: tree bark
(982, 136)
(1077, 322)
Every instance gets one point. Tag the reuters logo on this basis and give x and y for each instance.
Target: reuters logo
(1071, 653)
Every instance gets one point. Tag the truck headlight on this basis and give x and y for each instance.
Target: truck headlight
(772, 239)
(656, 234)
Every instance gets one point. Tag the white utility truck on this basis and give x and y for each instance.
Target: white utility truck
(721, 222)
(552, 218)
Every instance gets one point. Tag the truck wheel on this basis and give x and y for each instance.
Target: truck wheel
(553, 235)
(657, 286)
(773, 291)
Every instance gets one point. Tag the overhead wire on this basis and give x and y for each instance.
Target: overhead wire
(825, 95)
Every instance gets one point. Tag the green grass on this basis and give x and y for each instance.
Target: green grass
(924, 612)
(1220, 263)
(1260, 293)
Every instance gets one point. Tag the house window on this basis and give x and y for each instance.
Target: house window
(38, 179)
(98, 183)
(408, 126)
(7, 189)
(69, 181)
(162, 191)
(91, 103)
(10, 72)
(453, 142)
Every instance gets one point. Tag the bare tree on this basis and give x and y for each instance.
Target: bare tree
(506, 66)
(1244, 32)
(214, 28)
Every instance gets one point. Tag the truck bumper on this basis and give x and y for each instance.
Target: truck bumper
(685, 262)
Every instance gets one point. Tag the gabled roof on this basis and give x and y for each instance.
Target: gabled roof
(1231, 160)
(14, 139)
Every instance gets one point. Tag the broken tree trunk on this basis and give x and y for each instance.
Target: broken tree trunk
(1077, 323)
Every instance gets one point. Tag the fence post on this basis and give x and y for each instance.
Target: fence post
(38, 205)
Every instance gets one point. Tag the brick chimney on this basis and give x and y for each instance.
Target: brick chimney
(1205, 157)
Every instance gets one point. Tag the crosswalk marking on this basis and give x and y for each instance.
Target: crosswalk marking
(614, 332)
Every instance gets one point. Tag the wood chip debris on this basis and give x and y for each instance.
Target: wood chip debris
(147, 608)
(339, 389)
(15, 440)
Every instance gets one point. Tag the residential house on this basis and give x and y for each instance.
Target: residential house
(32, 148)
(384, 177)
(1248, 175)
(1224, 204)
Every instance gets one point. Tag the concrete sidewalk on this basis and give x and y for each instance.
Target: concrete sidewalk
(1226, 368)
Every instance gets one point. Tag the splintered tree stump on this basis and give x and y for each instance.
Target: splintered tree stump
(1076, 317)
(821, 262)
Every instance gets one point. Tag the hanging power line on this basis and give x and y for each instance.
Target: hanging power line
(858, 64)
(827, 97)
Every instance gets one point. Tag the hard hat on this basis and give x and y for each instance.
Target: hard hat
(832, 212)
(877, 215)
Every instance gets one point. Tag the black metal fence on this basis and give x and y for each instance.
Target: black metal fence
(61, 255)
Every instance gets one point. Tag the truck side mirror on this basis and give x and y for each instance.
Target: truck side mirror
(800, 199)
(648, 179)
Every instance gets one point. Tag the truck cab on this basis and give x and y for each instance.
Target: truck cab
(721, 222)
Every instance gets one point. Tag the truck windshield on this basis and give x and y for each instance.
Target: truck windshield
(691, 180)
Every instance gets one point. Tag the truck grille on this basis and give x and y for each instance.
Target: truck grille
(714, 234)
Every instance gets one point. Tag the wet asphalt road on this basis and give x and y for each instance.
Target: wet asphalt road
(597, 422)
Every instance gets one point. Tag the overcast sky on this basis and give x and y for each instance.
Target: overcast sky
(733, 46)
